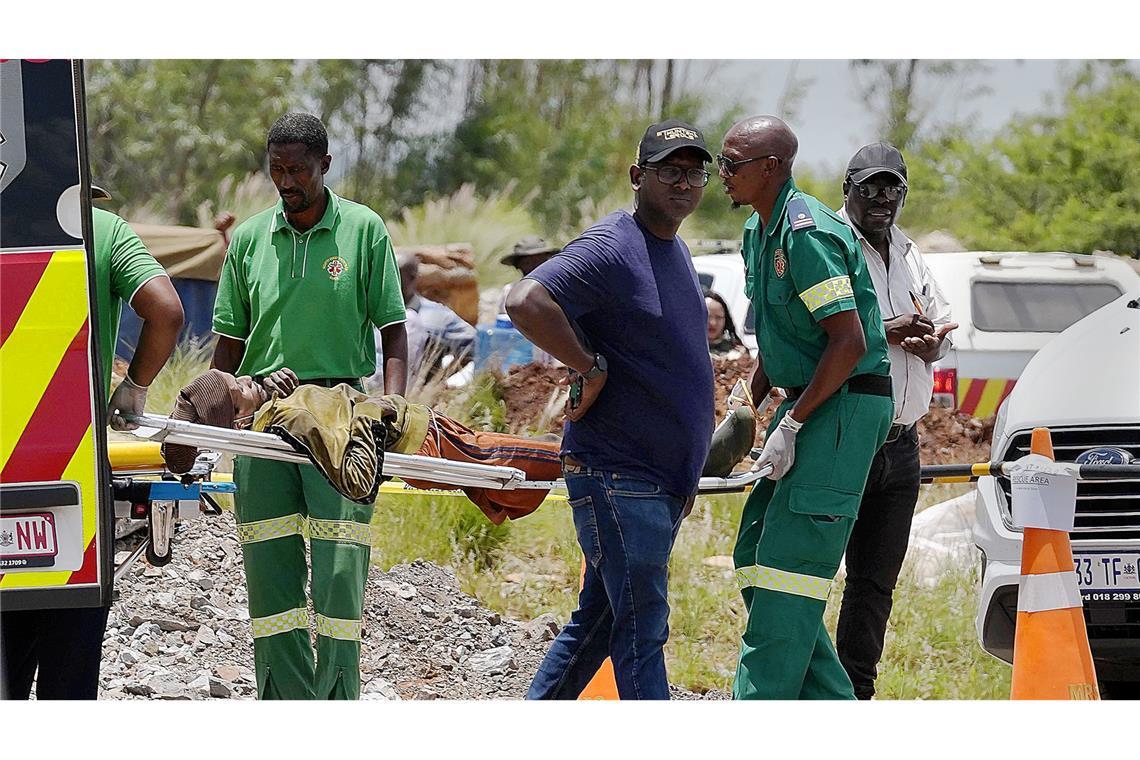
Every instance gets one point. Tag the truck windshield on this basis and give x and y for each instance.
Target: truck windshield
(1000, 306)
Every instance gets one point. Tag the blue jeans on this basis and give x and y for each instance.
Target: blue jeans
(626, 527)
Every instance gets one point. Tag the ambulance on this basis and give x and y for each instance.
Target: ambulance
(59, 496)
(56, 509)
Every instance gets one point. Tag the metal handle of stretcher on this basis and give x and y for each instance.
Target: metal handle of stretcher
(462, 474)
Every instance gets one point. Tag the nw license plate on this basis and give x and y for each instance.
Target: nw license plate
(1109, 576)
(28, 540)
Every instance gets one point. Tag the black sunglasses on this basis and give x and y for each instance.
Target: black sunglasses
(890, 192)
(728, 166)
(671, 175)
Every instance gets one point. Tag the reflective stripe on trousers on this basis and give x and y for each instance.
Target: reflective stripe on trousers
(282, 622)
(294, 525)
(784, 581)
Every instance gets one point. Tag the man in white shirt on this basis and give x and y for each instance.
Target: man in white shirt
(434, 330)
(916, 317)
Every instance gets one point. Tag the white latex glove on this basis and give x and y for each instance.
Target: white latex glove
(128, 398)
(780, 448)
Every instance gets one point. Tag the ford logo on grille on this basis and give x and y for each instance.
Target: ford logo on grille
(1105, 455)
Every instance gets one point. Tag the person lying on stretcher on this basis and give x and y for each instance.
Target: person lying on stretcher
(345, 434)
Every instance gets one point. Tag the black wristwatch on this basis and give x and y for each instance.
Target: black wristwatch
(598, 367)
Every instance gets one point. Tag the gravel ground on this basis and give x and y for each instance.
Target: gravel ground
(182, 631)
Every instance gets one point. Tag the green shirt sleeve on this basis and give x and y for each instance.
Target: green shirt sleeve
(749, 249)
(231, 305)
(384, 297)
(132, 266)
(820, 273)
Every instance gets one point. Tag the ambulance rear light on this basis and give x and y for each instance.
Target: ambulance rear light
(945, 387)
(946, 380)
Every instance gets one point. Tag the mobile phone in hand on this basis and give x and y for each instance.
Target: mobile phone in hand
(576, 384)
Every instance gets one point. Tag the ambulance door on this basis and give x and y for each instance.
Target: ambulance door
(56, 511)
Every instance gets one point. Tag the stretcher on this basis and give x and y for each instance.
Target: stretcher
(460, 474)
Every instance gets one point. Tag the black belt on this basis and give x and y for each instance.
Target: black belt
(325, 382)
(868, 385)
(897, 431)
(330, 382)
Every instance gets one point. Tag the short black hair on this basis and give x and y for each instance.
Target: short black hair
(301, 128)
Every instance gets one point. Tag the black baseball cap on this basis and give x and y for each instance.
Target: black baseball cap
(99, 194)
(875, 158)
(662, 139)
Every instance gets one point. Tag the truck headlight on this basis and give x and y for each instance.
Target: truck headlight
(999, 429)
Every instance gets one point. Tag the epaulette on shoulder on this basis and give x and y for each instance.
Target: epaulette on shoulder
(799, 215)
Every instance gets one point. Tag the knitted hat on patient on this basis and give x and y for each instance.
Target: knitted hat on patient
(205, 401)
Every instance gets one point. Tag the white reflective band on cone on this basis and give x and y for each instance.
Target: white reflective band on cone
(1048, 591)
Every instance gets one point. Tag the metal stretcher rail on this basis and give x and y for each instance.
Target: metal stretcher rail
(462, 474)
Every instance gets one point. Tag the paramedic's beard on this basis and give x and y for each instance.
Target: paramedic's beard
(295, 203)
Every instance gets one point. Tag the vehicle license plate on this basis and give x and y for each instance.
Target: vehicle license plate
(28, 540)
(1109, 577)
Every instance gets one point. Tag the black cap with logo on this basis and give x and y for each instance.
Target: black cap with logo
(662, 139)
(875, 158)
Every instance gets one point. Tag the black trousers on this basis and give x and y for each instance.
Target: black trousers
(874, 557)
(65, 645)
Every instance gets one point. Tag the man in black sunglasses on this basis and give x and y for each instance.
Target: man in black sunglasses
(820, 337)
(917, 322)
(621, 307)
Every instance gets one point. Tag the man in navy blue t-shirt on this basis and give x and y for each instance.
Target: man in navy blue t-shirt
(621, 307)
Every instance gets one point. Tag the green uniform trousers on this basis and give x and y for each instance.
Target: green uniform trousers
(277, 505)
(792, 535)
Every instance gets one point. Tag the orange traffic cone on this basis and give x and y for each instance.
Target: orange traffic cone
(603, 685)
(1051, 655)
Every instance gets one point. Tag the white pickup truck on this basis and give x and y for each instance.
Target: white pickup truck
(1084, 386)
(1008, 306)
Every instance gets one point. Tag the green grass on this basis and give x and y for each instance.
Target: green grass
(525, 568)
(932, 651)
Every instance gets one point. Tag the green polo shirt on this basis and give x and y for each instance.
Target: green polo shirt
(122, 266)
(308, 300)
(805, 266)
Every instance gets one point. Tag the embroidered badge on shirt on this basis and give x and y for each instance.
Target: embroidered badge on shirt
(781, 262)
(335, 266)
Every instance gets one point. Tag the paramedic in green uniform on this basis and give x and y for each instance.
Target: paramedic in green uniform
(302, 286)
(820, 338)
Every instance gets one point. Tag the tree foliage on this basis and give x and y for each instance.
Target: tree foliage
(566, 128)
(164, 134)
(903, 92)
(1068, 181)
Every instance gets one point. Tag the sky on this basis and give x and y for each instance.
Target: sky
(831, 119)
(832, 122)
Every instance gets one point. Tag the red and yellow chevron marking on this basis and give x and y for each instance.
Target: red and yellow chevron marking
(45, 374)
(980, 396)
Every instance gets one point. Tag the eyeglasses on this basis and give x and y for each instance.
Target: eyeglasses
(671, 175)
(890, 192)
(728, 166)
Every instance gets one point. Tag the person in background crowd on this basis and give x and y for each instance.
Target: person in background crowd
(434, 330)
(526, 256)
(723, 340)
